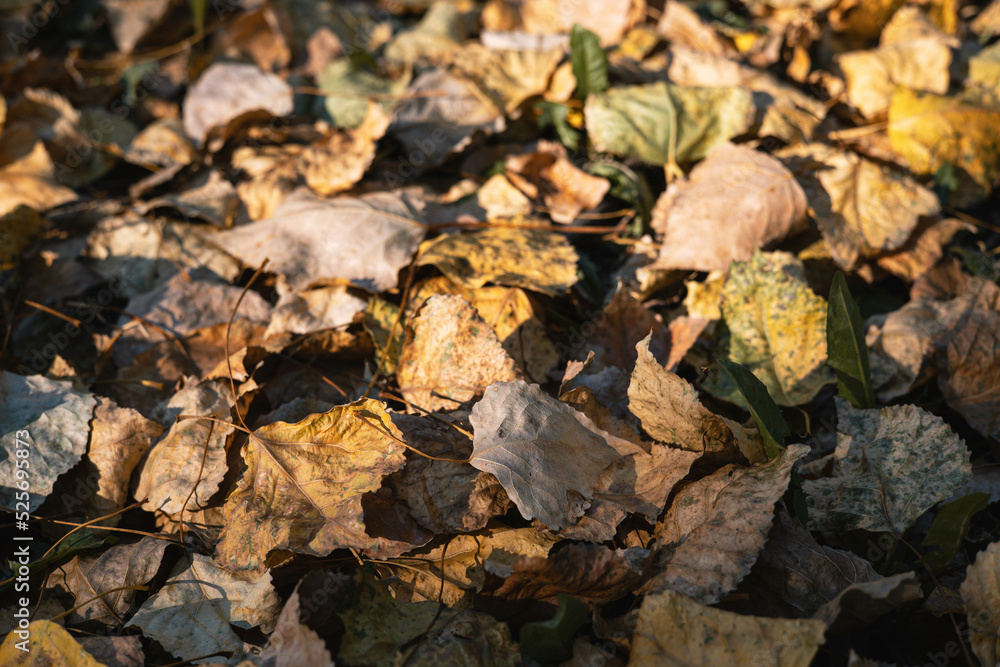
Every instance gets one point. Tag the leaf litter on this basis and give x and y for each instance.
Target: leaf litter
(497, 333)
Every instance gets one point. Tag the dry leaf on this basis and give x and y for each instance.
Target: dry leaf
(930, 131)
(227, 91)
(451, 356)
(293, 642)
(714, 530)
(39, 412)
(549, 176)
(670, 411)
(31, 181)
(184, 469)
(736, 201)
(862, 208)
(201, 593)
(303, 483)
(536, 260)
(890, 466)
(45, 643)
(981, 594)
(591, 572)
(545, 454)
(673, 629)
(366, 240)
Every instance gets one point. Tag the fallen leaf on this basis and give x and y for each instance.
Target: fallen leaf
(542, 451)
(303, 483)
(674, 629)
(590, 572)
(226, 91)
(184, 469)
(981, 594)
(467, 638)
(87, 576)
(433, 38)
(670, 411)
(46, 643)
(890, 466)
(736, 201)
(467, 560)
(444, 496)
(200, 592)
(661, 123)
(31, 181)
(534, 259)
(432, 127)
(610, 19)
(968, 364)
(862, 208)
(118, 440)
(862, 604)
(327, 307)
(18, 229)
(451, 357)
(44, 422)
(548, 175)
(716, 527)
(929, 131)
(350, 90)
(777, 327)
(795, 576)
(912, 53)
(338, 161)
(293, 642)
(366, 240)
(513, 76)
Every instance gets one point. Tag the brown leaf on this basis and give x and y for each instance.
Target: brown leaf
(184, 469)
(589, 572)
(675, 630)
(548, 175)
(303, 484)
(981, 594)
(736, 200)
(716, 527)
(226, 91)
(546, 455)
(670, 411)
(451, 356)
(87, 577)
(293, 642)
(118, 440)
(443, 496)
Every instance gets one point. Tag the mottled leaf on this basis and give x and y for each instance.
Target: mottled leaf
(890, 466)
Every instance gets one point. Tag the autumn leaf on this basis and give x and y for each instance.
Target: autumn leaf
(542, 451)
(981, 592)
(46, 642)
(303, 483)
(890, 466)
(674, 629)
(777, 327)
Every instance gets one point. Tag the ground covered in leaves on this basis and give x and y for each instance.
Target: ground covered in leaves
(542, 332)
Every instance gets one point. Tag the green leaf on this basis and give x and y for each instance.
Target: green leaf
(198, 8)
(555, 114)
(590, 63)
(552, 640)
(847, 352)
(950, 527)
(763, 409)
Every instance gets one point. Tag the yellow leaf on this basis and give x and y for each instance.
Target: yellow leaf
(303, 483)
(18, 229)
(48, 644)
(931, 131)
(530, 258)
(673, 629)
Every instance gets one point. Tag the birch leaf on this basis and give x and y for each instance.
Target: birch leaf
(673, 629)
(716, 527)
(652, 121)
(890, 466)
(542, 451)
(777, 327)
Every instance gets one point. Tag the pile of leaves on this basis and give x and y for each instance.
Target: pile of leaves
(538, 331)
